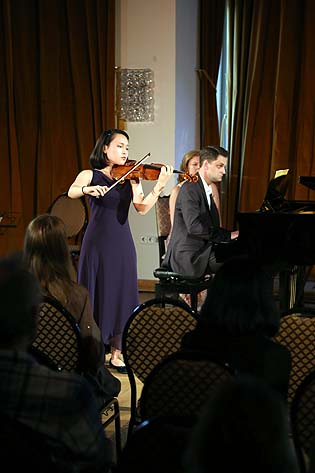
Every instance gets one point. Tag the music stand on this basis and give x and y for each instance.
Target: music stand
(9, 220)
(275, 194)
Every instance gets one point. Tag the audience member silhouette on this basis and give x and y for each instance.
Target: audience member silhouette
(243, 428)
(237, 322)
(46, 255)
(58, 405)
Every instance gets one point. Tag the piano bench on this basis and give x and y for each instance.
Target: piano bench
(171, 283)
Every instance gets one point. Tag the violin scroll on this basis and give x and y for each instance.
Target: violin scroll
(189, 177)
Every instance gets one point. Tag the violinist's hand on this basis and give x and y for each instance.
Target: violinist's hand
(96, 191)
(165, 175)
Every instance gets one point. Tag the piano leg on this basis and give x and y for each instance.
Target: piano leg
(291, 288)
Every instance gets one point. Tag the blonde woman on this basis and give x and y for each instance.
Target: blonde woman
(190, 165)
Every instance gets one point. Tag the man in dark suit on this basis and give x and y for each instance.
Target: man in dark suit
(196, 224)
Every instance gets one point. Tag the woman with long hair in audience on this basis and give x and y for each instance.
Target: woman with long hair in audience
(46, 255)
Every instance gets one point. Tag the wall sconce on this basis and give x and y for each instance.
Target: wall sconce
(134, 95)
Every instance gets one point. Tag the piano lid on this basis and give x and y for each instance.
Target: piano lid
(277, 188)
(308, 181)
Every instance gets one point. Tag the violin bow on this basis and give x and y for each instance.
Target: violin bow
(129, 171)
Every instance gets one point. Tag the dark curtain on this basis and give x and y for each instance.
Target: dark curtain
(57, 63)
(211, 30)
(272, 99)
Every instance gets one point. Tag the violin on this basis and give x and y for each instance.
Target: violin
(148, 172)
(136, 170)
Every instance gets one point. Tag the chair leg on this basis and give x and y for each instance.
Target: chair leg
(117, 431)
(158, 290)
(113, 405)
(194, 301)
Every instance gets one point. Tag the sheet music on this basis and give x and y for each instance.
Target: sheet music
(281, 172)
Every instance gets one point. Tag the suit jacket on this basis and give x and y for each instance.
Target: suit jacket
(194, 231)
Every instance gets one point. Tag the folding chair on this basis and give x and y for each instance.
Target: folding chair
(74, 214)
(297, 333)
(153, 331)
(163, 223)
(58, 345)
(156, 446)
(181, 384)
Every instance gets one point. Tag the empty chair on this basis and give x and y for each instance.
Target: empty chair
(153, 331)
(74, 214)
(163, 223)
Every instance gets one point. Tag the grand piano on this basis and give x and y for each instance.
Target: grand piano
(281, 236)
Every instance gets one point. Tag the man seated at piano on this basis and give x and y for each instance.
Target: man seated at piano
(196, 227)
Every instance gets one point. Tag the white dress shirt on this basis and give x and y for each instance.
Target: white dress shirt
(208, 190)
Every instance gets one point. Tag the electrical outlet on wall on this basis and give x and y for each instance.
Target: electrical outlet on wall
(148, 239)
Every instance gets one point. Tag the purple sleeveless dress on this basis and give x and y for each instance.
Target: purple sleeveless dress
(108, 261)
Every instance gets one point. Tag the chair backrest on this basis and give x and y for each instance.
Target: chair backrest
(74, 214)
(153, 331)
(303, 419)
(58, 345)
(157, 445)
(163, 223)
(181, 384)
(297, 333)
(58, 335)
(43, 358)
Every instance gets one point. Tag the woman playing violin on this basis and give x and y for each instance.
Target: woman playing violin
(107, 264)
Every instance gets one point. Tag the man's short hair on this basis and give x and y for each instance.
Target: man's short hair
(20, 296)
(211, 153)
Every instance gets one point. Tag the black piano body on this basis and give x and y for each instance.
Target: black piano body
(281, 236)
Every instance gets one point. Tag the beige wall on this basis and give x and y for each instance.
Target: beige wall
(146, 38)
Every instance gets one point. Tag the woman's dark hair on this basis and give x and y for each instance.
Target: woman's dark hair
(98, 159)
(46, 255)
(240, 300)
